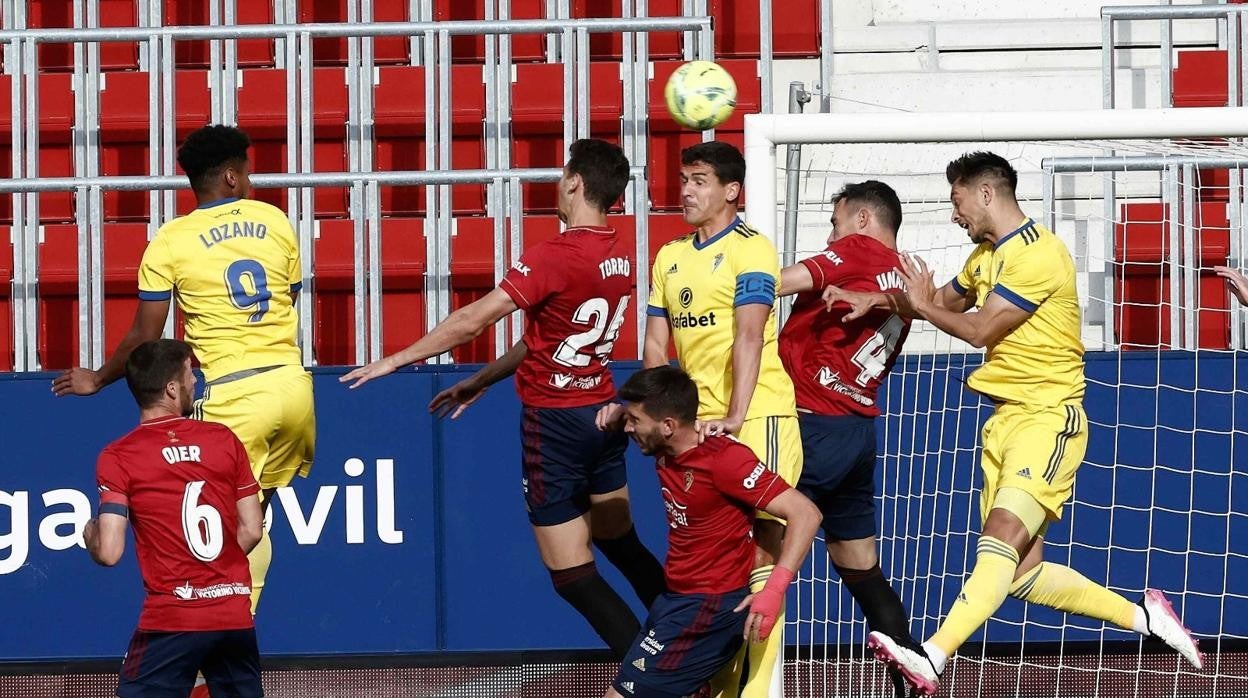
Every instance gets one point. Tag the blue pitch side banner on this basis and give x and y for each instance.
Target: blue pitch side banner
(411, 535)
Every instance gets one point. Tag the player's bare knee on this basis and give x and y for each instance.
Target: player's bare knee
(1005, 526)
(1029, 560)
(564, 545)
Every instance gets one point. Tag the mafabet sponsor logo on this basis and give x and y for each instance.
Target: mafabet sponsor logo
(55, 518)
(566, 381)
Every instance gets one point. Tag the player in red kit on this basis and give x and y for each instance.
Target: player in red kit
(187, 489)
(838, 357)
(712, 490)
(574, 290)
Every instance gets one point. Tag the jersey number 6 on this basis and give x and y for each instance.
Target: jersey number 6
(201, 524)
(243, 297)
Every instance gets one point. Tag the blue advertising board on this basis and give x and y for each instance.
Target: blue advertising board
(410, 535)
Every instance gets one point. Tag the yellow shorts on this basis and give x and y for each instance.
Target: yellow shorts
(272, 414)
(1036, 450)
(778, 444)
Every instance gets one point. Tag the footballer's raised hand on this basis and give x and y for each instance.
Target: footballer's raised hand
(455, 399)
(859, 303)
(76, 381)
(364, 374)
(1236, 281)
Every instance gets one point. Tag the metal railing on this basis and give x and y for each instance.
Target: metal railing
(294, 47)
(1179, 182)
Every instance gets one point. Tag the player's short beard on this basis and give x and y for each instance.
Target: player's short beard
(186, 404)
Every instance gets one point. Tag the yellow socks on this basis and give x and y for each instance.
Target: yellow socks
(982, 594)
(1060, 587)
(258, 559)
(764, 657)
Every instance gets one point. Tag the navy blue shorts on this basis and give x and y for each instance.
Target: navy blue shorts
(164, 664)
(685, 640)
(566, 459)
(838, 474)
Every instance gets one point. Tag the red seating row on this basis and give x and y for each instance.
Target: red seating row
(795, 32)
(399, 120)
(403, 252)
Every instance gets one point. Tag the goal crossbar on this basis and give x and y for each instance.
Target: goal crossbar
(763, 132)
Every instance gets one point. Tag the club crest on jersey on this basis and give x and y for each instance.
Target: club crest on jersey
(719, 259)
(686, 297)
(173, 436)
(688, 480)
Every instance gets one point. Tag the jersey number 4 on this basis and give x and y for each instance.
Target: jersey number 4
(253, 294)
(201, 524)
(593, 312)
(872, 357)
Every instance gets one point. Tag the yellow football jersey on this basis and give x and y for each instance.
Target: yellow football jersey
(697, 286)
(235, 267)
(1041, 361)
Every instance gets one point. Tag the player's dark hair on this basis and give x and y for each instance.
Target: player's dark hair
(727, 162)
(662, 392)
(603, 169)
(877, 196)
(981, 164)
(206, 151)
(152, 365)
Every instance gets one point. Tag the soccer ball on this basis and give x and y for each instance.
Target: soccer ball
(700, 95)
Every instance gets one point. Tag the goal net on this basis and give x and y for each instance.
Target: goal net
(1147, 202)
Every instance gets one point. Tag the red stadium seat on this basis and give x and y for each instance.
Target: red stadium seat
(1142, 311)
(58, 289)
(60, 57)
(403, 269)
(197, 54)
(611, 45)
(262, 113)
(386, 50)
(471, 49)
(795, 28)
(400, 128)
(667, 138)
(537, 120)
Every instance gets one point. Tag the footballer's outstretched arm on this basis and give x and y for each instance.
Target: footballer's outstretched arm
(802, 518)
(458, 397)
(149, 324)
(461, 327)
(989, 324)
(795, 278)
(105, 538)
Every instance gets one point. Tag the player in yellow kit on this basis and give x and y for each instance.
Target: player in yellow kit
(712, 293)
(234, 266)
(1021, 281)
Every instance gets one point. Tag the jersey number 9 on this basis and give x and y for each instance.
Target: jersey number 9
(249, 287)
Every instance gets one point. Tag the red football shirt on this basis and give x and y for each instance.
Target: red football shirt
(574, 290)
(182, 480)
(836, 366)
(711, 492)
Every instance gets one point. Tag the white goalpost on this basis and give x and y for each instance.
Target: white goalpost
(1147, 201)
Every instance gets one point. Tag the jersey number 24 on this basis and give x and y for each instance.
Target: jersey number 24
(593, 312)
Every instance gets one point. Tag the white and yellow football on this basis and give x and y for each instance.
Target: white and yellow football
(700, 95)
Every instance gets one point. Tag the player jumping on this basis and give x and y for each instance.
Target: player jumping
(575, 291)
(234, 265)
(837, 366)
(712, 488)
(1021, 279)
(187, 488)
